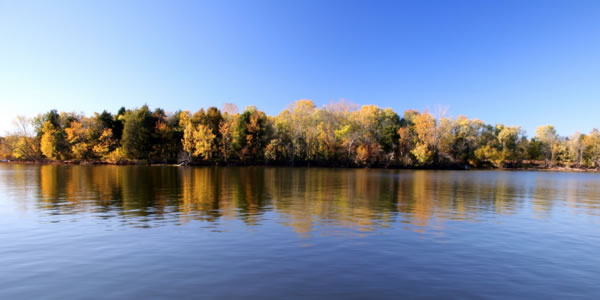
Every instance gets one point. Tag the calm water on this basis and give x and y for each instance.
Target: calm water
(129, 232)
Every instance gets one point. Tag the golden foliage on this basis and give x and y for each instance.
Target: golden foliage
(48, 141)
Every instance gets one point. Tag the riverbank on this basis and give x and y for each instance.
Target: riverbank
(526, 167)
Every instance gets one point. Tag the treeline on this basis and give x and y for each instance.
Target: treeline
(339, 134)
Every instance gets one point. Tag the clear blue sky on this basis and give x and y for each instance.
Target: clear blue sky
(523, 63)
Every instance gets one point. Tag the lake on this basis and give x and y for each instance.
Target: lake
(136, 232)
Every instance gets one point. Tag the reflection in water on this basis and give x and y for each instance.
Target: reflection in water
(75, 232)
(358, 199)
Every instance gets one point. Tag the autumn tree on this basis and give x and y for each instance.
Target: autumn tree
(299, 121)
(48, 144)
(424, 150)
(50, 132)
(509, 137)
(407, 137)
(21, 144)
(591, 144)
(78, 136)
(225, 131)
(489, 153)
(203, 141)
(348, 135)
(548, 137)
(198, 138)
(577, 148)
(339, 133)
(106, 143)
(368, 149)
(464, 138)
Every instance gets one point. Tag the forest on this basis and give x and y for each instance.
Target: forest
(339, 134)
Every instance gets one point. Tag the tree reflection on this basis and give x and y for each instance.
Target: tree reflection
(305, 199)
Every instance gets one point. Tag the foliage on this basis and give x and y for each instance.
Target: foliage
(339, 133)
(106, 143)
(48, 144)
(137, 133)
(422, 153)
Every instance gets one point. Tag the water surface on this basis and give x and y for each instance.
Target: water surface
(134, 232)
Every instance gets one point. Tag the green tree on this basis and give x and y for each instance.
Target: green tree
(250, 134)
(137, 133)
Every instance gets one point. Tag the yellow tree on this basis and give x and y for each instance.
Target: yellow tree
(425, 128)
(509, 138)
(591, 144)
(547, 135)
(77, 138)
(337, 131)
(405, 143)
(327, 146)
(422, 153)
(576, 148)
(368, 149)
(424, 125)
(203, 141)
(48, 141)
(490, 154)
(197, 141)
(105, 143)
(21, 144)
(5, 148)
(226, 136)
(282, 133)
(187, 142)
(274, 150)
(303, 131)
(348, 136)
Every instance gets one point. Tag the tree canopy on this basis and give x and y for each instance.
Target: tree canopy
(337, 134)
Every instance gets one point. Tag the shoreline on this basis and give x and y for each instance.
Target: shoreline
(303, 165)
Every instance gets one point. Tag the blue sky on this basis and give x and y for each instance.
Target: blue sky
(523, 63)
